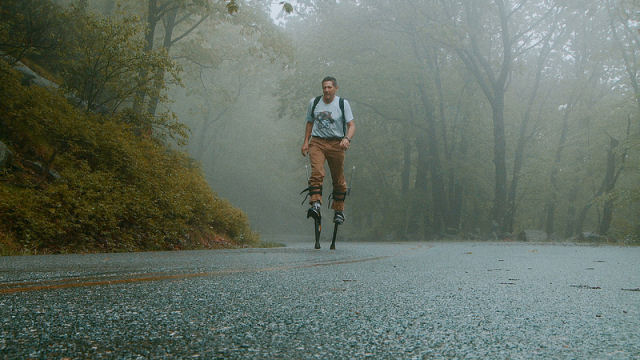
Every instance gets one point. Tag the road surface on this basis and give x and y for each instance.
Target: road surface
(365, 300)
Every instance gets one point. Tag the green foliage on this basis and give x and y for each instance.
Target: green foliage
(287, 7)
(117, 192)
(29, 27)
(105, 62)
(232, 6)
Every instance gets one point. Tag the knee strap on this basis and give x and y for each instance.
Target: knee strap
(311, 190)
(337, 196)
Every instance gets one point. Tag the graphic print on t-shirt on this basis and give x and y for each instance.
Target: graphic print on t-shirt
(324, 120)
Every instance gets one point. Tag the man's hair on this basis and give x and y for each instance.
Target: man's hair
(332, 79)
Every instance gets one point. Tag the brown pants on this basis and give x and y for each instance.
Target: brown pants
(329, 150)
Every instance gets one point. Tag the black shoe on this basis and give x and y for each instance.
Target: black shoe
(338, 217)
(314, 211)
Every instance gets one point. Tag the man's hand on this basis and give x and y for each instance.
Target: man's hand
(307, 136)
(345, 143)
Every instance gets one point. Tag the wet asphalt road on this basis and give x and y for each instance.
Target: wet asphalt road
(364, 300)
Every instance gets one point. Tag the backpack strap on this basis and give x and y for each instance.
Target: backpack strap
(344, 120)
(315, 103)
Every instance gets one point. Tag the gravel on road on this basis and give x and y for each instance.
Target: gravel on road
(365, 300)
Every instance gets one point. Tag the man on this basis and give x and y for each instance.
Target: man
(327, 136)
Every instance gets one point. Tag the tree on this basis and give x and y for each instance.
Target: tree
(490, 59)
(553, 97)
(179, 19)
(627, 40)
(103, 62)
(29, 27)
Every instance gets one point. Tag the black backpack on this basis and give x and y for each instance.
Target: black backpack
(341, 104)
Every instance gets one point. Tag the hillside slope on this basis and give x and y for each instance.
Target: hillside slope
(73, 181)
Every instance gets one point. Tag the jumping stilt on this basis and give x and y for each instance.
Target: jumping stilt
(317, 228)
(314, 212)
(335, 232)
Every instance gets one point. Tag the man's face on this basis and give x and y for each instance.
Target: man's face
(328, 90)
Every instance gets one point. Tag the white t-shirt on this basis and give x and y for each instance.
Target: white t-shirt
(327, 119)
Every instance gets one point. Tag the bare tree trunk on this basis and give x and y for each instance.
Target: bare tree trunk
(405, 179)
(421, 213)
(167, 11)
(523, 138)
(149, 36)
(406, 168)
(454, 188)
(582, 216)
(499, 160)
(169, 25)
(457, 198)
(493, 85)
(570, 227)
(611, 178)
(606, 188)
(438, 193)
(550, 206)
(607, 216)
(629, 53)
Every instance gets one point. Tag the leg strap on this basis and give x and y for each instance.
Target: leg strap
(337, 196)
(311, 190)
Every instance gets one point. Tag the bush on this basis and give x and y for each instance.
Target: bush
(117, 192)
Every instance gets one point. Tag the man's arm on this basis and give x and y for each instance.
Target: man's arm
(351, 130)
(307, 136)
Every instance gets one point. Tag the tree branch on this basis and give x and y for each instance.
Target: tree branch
(188, 31)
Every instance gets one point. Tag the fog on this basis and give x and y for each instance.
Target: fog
(478, 119)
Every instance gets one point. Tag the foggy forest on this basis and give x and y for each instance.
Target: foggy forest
(477, 119)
